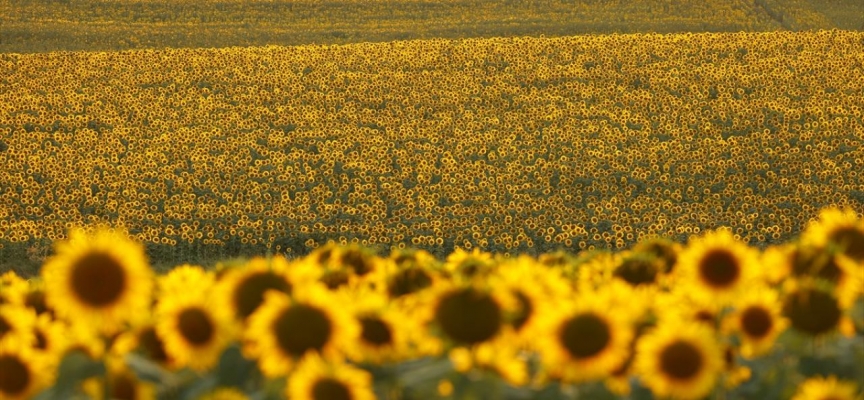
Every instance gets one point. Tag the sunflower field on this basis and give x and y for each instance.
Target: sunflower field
(710, 318)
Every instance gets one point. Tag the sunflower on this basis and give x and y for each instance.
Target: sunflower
(34, 298)
(17, 320)
(101, 280)
(679, 360)
(224, 393)
(840, 231)
(830, 388)
(284, 329)
(717, 266)
(50, 338)
(23, 371)
(384, 329)
(734, 374)
(663, 249)
(319, 379)
(144, 340)
(183, 278)
(584, 339)
(467, 265)
(465, 314)
(502, 356)
(812, 310)
(683, 306)
(241, 289)
(194, 333)
(758, 320)
(122, 383)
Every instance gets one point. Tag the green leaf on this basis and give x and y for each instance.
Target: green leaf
(234, 369)
(74, 369)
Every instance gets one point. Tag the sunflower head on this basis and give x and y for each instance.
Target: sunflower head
(319, 379)
(757, 319)
(193, 332)
(812, 311)
(23, 372)
(826, 388)
(242, 289)
(718, 265)
(638, 269)
(467, 315)
(840, 231)
(679, 360)
(665, 250)
(100, 280)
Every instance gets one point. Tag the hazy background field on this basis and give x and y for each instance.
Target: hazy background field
(207, 152)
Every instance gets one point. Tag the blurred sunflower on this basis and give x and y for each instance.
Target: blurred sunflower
(241, 289)
(100, 281)
(757, 319)
(679, 360)
(224, 393)
(194, 332)
(840, 231)
(464, 314)
(717, 266)
(34, 298)
(733, 374)
(122, 383)
(17, 320)
(830, 388)
(812, 310)
(50, 339)
(467, 265)
(286, 328)
(663, 249)
(183, 278)
(318, 379)
(502, 356)
(584, 339)
(384, 328)
(144, 340)
(23, 372)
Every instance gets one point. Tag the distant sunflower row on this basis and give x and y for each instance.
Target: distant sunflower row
(683, 321)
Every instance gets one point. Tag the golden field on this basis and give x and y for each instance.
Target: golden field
(507, 144)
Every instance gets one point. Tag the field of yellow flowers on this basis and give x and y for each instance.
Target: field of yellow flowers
(506, 145)
(710, 318)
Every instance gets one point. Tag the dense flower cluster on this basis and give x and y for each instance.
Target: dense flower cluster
(680, 321)
(508, 144)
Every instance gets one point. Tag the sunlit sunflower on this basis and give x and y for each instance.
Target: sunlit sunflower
(584, 339)
(99, 280)
(758, 321)
(144, 340)
(284, 329)
(467, 265)
(319, 379)
(830, 388)
(682, 306)
(194, 332)
(664, 249)
(384, 330)
(241, 290)
(679, 360)
(13, 288)
(34, 298)
(717, 265)
(23, 371)
(465, 314)
(224, 393)
(840, 231)
(17, 320)
(122, 383)
(50, 338)
(184, 278)
(812, 310)
(501, 356)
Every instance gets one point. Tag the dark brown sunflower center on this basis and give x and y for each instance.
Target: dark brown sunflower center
(585, 335)
(524, 311)
(358, 262)
(637, 272)
(812, 311)
(375, 331)
(41, 340)
(408, 281)
(123, 388)
(468, 316)
(98, 279)
(250, 292)
(14, 376)
(719, 269)
(195, 326)
(301, 328)
(816, 263)
(850, 241)
(756, 322)
(706, 317)
(330, 389)
(152, 345)
(5, 326)
(681, 360)
(335, 278)
(36, 300)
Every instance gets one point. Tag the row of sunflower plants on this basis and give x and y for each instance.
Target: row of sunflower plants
(709, 318)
